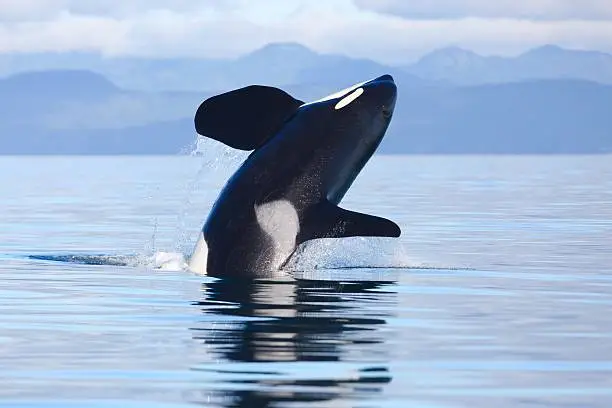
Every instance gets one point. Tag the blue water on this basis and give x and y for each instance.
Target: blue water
(498, 293)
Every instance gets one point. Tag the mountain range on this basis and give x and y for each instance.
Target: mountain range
(451, 101)
(463, 67)
(282, 64)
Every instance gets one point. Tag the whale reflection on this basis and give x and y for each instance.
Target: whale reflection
(268, 342)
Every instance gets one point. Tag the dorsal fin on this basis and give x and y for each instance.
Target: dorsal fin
(245, 118)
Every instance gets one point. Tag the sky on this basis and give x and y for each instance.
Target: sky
(390, 31)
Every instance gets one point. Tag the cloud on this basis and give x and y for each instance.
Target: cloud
(396, 40)
(204, 28)
(11, 10)
(225, 29)
(512, 9)
(65, 33)
(37, 10)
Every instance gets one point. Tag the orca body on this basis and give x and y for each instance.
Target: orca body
(305, 157)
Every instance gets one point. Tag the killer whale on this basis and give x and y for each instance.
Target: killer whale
(304, 158)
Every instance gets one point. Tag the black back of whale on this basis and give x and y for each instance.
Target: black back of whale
(305, 157)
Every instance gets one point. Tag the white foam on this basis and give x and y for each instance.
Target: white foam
(353, 252)
(218, 162)
(169, 261)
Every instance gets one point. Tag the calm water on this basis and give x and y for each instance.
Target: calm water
(499, 292)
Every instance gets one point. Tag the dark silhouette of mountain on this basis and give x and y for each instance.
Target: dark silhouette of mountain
(80, 112)
(464, 67)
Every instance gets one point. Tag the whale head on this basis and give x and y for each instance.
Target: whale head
(351, 123)
(374, 98)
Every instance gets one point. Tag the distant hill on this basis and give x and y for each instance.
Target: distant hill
(278, 64)
(465, 67)
(79, 99)
(58, 83)
(81, 112)
(283, 64)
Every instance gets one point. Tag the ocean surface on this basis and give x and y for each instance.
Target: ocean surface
(498, 294)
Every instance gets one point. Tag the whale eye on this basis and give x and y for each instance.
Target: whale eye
(349, 98)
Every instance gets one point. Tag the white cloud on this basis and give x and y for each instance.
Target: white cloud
(45, 9)
(492, 37)
(232, 27)
(516, 9)
(64, 33)
(28, 9)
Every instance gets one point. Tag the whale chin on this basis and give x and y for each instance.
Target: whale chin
(199, 257)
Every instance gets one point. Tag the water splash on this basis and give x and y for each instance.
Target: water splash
(354, 252)
(355, 258)
(171, 261)
(216, 158)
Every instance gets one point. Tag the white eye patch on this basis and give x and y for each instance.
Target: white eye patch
(349, 98)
